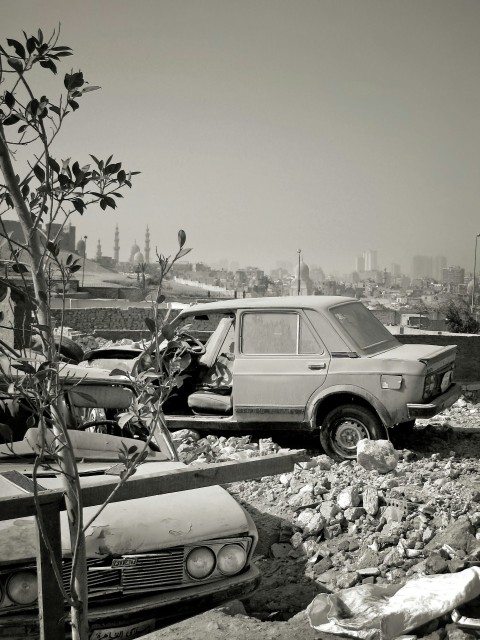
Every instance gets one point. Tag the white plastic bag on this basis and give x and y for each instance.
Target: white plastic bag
(385, 612)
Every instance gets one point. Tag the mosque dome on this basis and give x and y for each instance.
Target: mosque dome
(138, 258)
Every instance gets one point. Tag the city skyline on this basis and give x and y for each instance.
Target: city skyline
(260, 128)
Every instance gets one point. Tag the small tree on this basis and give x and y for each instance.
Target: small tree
(459, 318)
(42, 192)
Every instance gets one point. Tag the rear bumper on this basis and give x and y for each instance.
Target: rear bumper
(159, 608)
(428, 410)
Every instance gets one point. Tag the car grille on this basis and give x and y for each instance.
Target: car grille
(132, 573)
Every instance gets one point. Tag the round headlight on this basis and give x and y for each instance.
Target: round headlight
(231, 559)
(200, 562)
(22, 587)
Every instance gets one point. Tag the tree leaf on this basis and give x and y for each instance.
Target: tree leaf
(23, 366)
(161, 298)
(49, 64)
(19, 268)
(31, 44)
(53, 248)
(183, 252)
(19, 48)
(75, 268)
(167, 331)
(110, 202)
(16, 64)
(11, 119)
(39, 173)
(53, 164)
(9, 99)
(113, 168)
(150, 324)
(182, 236)
(73, 81)
(79, 205)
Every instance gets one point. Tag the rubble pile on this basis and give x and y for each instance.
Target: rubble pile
(329, 526)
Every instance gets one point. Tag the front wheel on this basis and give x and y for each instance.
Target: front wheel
(344, 426)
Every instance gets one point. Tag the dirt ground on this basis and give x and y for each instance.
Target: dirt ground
(437, 473)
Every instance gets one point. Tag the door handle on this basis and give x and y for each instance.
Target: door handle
(319, 365)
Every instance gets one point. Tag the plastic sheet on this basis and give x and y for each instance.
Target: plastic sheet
(385, 612)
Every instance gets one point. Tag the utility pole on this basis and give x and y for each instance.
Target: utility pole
(474, 270)
(299, 251)
(84, 258)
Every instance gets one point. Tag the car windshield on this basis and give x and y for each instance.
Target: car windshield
(367, 332)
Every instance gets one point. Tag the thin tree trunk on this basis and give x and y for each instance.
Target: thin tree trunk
(70, 478)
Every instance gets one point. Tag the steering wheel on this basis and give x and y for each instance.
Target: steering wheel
(194, 345)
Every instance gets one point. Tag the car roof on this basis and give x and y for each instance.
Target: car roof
(280, 302)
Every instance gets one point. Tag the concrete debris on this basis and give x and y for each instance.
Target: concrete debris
(377, 455)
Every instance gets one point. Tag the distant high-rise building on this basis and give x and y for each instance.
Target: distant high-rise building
(370, 257)
(439, 264)
(395, 270)
(453, 275)
(99, 251)
(360, 264)
(422, 267)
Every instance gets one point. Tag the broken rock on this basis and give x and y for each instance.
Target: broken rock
(377, 455)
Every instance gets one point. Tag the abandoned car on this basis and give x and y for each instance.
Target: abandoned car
(309, 362)
(148, 559)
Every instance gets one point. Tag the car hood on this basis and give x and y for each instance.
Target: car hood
(135, 526)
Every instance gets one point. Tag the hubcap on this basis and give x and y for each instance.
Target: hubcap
(347, 434)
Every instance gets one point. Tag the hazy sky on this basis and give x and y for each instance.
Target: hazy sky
(263, 126)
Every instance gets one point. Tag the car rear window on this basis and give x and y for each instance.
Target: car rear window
(362, 326)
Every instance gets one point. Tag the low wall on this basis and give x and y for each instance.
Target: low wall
(105, 318)
(468, 351)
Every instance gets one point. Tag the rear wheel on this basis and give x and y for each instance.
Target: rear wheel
(344, 426)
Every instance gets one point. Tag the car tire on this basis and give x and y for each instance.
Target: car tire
(67, 348)
(344, 426)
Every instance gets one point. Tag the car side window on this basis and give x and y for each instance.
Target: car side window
(278, 333)
(307, 342)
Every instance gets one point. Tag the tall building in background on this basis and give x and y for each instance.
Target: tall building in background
(439, 264)
(395, 270)
(422, 267)
(371, 261)
(453, 275)
(360, 264)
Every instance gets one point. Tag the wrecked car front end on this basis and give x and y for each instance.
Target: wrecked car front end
(148, 560)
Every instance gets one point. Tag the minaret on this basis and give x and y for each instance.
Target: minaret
(116, 246)
(99, 251)
(147, 247)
